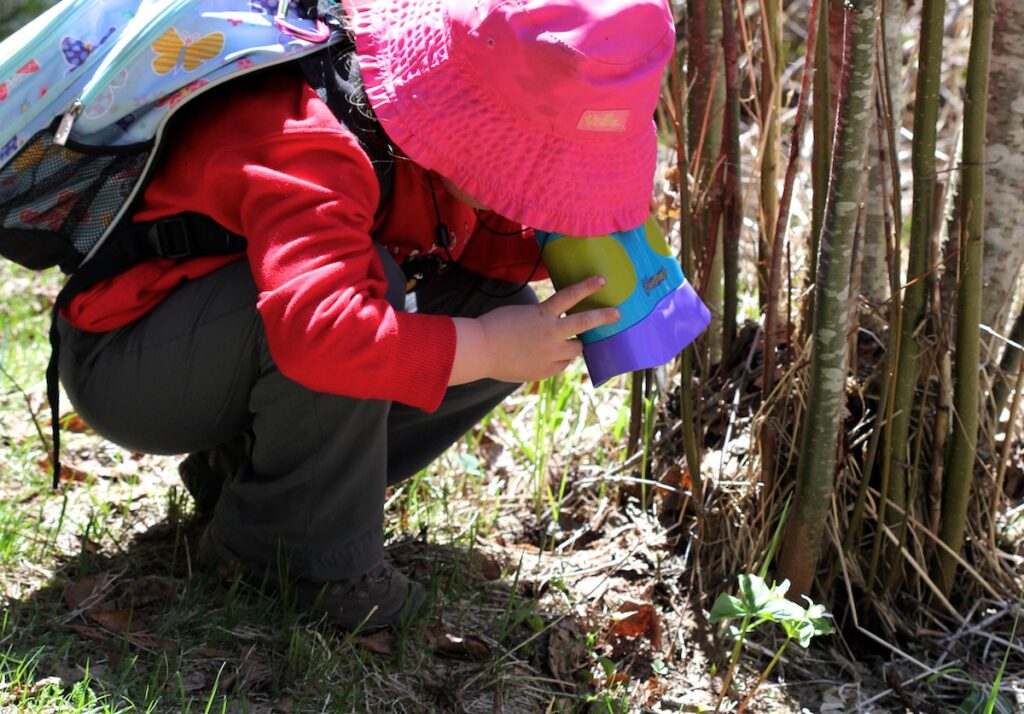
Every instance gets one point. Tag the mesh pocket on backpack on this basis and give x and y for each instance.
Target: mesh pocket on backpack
(56, 202)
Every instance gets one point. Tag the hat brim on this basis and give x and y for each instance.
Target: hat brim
(436, 109)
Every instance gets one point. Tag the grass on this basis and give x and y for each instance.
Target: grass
(557, 579)
(105, 610)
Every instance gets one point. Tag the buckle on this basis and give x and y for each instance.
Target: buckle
(424, 267)
(169, 238)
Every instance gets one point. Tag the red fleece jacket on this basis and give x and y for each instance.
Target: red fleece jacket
(266, 159)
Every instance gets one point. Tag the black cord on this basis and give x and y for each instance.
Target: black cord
(444, 239)
(490, 230)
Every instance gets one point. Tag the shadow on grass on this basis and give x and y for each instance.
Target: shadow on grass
(142, 629)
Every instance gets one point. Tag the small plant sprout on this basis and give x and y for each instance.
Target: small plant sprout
(758, 603)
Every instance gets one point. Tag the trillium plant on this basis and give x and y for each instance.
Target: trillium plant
(759, 603)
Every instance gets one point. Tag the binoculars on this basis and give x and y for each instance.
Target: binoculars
(660, 311)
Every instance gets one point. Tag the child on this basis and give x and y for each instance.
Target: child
(306, 377)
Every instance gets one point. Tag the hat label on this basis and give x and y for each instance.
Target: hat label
(603, 120)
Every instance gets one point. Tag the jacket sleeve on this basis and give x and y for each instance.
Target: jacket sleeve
(305, 202)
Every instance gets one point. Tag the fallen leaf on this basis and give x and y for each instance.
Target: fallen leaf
(68, 472)
(489, 566)
(89, 547)
(284, 706)
(252, 673)
(450, 645)
(382, 643)
(192, 682)
(81, 593)
(114, 620)
(74, 424)
(594, 587)
(634, 621)
(617, 678)
(567, 653)
(147, 590)
(255, 675)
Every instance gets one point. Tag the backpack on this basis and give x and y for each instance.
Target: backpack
(86, 93)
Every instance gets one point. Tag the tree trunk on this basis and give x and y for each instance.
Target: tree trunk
(771, 313)
(826, 379)
(1004, 187)
(903, 366)
(1008, 365)
(771, 138)
(829, 34)
(968, 313)
(732, 208)
(875, 284)
(687, 224)
(706, 78)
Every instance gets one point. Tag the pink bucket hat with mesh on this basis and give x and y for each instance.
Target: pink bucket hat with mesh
(540, 109)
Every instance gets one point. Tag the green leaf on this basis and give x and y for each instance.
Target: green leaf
(805, 633)
(756, 593)
(976, 703)
(727, 607)
(782, 610)
(822, 626)
(471, 464)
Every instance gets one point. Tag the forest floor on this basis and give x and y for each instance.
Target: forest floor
(558, 579)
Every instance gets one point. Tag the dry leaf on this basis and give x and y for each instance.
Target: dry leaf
(78, 594)
(633, 621)
(672, 474)
(114, 620)
(567, 653)
(255, 675)
(68, 472)
(617, 678)
(147, 590)
(193, 682)
(489, 566)
(594, 587)
(74, 424)
(382, 643)
(445, 643)
(283, 706)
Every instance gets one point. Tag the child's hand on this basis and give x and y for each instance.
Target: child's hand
(523, 343)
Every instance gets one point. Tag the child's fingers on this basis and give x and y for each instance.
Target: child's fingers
(588, 320)
(565, 299)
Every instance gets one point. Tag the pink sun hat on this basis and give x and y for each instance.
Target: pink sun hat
(540, 109)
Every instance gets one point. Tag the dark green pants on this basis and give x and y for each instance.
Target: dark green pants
(196, 372)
